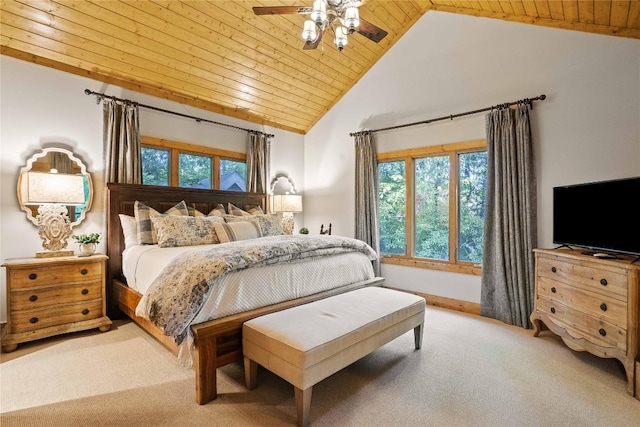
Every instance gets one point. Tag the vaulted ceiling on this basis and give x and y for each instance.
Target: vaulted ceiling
(220, 56)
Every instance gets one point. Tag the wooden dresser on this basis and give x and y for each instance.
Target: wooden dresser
(591, 303)
(52, 296)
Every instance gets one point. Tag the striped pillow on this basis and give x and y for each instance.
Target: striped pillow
(232, 232)
(218, 211)
(174, 231)
(234, 210)
(143, 214)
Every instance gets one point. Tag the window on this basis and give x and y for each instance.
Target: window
(431, 206)
(177, 164)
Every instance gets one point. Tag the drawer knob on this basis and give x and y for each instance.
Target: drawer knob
(603, 307)
(553, 310)
(602, 332)
(33, 276)
(85, 311)
(603, 282)
(84, 271)
(33, 298)
(34, 320)
(553, 289)
(553, 269)
(85, 291)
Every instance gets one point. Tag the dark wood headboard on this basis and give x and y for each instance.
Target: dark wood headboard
(122, 197)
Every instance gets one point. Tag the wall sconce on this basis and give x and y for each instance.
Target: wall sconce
(53, 193)
(287, 204)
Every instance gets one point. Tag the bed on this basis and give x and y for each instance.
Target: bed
(212, 343)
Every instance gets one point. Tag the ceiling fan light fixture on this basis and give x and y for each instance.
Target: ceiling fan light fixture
(309, 31)
(319, 12)
(351, 18)
(341, 37)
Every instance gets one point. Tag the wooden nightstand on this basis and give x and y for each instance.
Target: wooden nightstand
(52, 296)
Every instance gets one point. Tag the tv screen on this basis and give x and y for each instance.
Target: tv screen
(601, 216)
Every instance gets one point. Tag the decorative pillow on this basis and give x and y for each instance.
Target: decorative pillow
(194, 211)
(143, 213)
(243, 230)
(256, 211)
(218, 210)
(176, 231)
(129, 230)
(234, 210)
(270, 224)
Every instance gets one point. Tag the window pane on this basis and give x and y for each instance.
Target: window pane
(233, 175)
(472, 191)
(432, 207)
(155, 166)
(392, 195)
(194, 171)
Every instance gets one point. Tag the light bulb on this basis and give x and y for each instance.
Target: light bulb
(341, 37)
(309, 31)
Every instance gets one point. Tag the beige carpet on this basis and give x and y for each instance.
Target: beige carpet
(471, 371)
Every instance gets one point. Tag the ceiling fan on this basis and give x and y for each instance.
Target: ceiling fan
(341, 16)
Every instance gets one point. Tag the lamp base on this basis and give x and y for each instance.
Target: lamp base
(52, 254)
(287, 222)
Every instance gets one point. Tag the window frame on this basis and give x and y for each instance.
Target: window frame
(176, 148)
(453, 150)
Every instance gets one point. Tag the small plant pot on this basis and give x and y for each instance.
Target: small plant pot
(87, 249)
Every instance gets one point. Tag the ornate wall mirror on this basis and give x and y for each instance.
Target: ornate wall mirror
(63, 164)
(281, 184)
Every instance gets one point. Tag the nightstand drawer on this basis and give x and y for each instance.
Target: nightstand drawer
(55, 295)
(51, 275)
(610, 281)
(601, 306)
(31, 320)
(579, 325)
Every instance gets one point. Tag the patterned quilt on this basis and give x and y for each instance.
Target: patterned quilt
(179, 292)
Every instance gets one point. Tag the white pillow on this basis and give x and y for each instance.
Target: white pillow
(234, 231)
(129, 230)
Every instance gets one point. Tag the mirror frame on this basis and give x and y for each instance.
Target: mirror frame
(43, 153)
(281, 178)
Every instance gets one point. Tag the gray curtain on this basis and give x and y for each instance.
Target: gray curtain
(121, 138)
(258, 159)
(367, 193)
(507, 289)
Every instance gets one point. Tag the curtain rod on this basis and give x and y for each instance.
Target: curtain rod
(197, 119)
(452, 116)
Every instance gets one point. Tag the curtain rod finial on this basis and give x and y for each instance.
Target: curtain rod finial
(87, 92)
(543, 97)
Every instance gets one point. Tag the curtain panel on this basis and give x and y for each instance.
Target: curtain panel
(258, 159)
(366, 193)
(507, 284)
(121, 138)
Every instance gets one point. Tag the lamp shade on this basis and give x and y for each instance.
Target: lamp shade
(287, 203)
(58, 188)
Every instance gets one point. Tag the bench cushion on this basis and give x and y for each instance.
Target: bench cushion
(307, 343)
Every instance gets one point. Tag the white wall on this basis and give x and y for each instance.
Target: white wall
(41, 106)
(588, 129)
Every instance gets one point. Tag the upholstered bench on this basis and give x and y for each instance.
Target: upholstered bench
(308, 343)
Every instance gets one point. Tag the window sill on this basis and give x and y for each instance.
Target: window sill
(462, 268)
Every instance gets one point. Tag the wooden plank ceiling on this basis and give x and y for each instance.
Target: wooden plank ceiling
(220, 56)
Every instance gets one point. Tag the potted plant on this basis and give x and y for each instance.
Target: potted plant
(304, 230)
(87, 242)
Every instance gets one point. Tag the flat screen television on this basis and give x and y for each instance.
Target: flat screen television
(601, 216)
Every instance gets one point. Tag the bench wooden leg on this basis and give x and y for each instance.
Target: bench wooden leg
(250, 373)
(417, 335)
(303, 404)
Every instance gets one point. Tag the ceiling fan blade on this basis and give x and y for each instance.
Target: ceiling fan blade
(370, 31)
(282, 10)
(314, 44)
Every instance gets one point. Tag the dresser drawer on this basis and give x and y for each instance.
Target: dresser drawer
(580, 325)
(31, 320)
(50, 275)
(594, 304)
(49, 296)
(610, 281)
